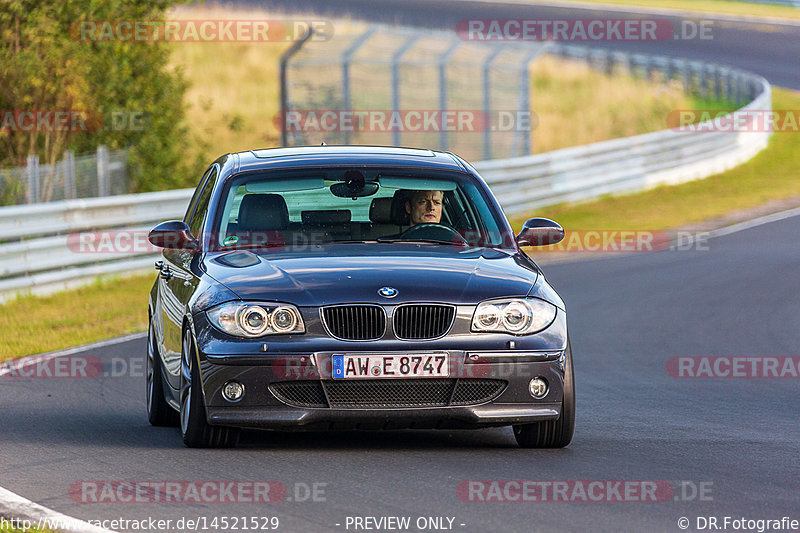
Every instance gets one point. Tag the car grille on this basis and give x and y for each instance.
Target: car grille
(300, 393)
(388, 393)
(355, 322)
(422, 321)
(475, 391)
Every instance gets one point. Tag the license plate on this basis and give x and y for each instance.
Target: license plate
(390, 366)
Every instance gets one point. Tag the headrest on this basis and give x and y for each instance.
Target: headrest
(389, 210)
(326, 217)
(263, 212)
(380, 211)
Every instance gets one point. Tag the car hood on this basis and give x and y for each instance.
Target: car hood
(346, 273)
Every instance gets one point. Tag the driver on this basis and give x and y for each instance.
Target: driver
(424, 207)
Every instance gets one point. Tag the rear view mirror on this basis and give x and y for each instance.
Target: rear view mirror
(540, 232)
(354, 186)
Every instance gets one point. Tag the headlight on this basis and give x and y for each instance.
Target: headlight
(256, 320)
(518, 316)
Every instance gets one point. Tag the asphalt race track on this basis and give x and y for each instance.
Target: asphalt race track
(770, 50)
(736, 439)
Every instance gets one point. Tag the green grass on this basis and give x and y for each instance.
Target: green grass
(727, 7)
(105, 309)
(772, 174)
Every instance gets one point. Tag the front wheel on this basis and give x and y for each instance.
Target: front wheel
(196, 431)
(553, 433)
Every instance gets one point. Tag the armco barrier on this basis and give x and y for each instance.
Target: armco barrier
(36, 255)
(33, 238)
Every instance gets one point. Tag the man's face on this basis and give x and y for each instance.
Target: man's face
(425, 207)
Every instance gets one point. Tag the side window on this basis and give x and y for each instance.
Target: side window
(196, 223)
(195, 196)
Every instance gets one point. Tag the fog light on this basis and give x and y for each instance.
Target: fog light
(233, 391)
(538, 388)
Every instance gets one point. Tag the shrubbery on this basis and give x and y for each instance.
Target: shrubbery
(46, 66)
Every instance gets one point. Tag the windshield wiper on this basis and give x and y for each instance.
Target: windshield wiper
(252, 245)
(416, 241)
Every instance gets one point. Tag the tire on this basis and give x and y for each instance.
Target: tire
(196, 431)
(553, 433)
(159, 412)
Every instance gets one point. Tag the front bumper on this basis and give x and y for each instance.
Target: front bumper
(261, 407)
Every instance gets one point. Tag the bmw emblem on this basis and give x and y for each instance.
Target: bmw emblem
(387, 292)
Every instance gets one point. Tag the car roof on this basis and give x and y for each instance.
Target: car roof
(314, 156)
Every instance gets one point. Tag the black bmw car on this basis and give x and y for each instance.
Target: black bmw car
(356, 288)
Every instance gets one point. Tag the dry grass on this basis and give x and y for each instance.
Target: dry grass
(234, 95)
(577, 105)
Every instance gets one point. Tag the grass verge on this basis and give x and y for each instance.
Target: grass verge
(726, 7)
(105, 309)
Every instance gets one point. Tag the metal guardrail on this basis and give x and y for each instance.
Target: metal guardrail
(43, 246)
(38, 241)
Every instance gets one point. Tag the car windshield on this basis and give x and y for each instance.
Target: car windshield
(316, 206)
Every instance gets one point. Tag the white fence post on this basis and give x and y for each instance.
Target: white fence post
(69, 175)
(33, 179)
(103, 185)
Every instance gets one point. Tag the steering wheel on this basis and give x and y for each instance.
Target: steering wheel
(434, 231)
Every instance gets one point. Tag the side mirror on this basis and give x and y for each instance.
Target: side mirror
(540, 232)
(172, 234)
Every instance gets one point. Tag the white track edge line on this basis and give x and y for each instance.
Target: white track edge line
(760, 221)
(14, 506)
(21, 363)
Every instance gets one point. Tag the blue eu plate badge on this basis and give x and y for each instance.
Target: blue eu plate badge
(338, 366)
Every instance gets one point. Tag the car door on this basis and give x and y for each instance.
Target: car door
(178, 280)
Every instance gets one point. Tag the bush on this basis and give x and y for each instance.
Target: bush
(45, 65)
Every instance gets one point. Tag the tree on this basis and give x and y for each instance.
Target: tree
(116, 92)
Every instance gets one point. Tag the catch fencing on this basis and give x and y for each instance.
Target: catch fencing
(102, 173)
